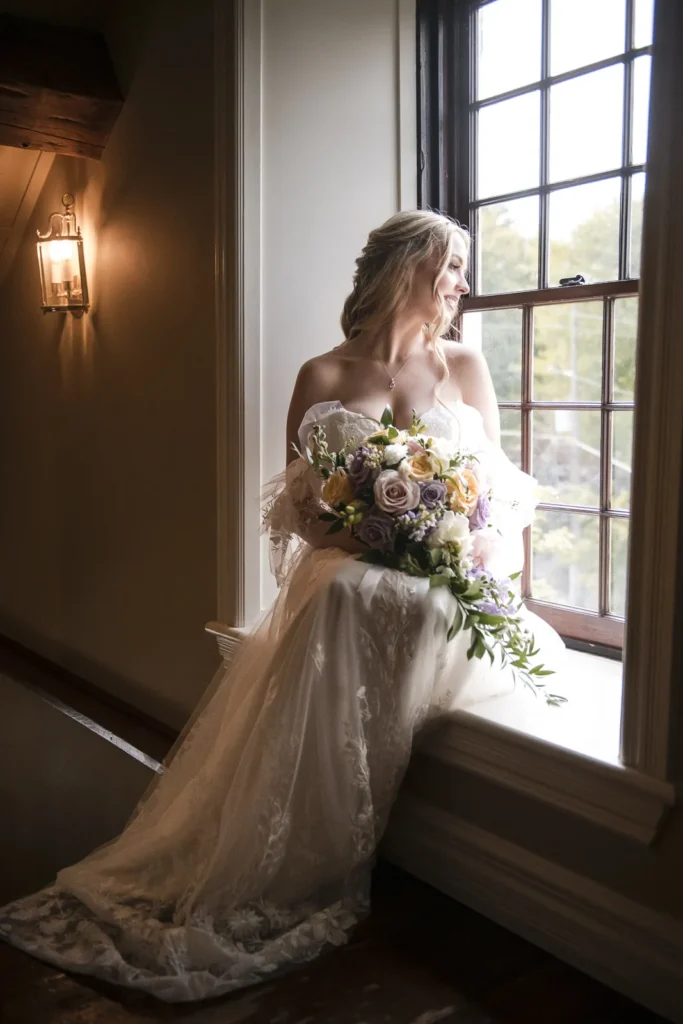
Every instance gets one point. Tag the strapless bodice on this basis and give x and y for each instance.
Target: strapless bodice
(458, 422)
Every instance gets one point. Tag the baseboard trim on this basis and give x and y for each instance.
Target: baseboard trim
(146, 738)
(629, 947)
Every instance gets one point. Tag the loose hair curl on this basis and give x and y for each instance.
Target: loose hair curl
(385, 269)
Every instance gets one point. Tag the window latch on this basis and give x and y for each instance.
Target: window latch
(568, 281)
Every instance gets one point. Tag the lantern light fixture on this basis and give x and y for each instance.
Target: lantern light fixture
(63, 281)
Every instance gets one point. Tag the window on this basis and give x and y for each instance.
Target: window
(533, 132)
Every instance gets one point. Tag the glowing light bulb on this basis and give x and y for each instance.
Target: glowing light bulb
(61, 257)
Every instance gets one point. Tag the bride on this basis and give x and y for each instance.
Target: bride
(252, 849)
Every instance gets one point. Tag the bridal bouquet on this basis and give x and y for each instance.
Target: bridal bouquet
(422, 505)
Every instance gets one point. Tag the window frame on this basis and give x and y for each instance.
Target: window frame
(652, 728)
(448, 152)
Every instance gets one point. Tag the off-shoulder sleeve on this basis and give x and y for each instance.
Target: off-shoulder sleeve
(513, 504)
(290, 504)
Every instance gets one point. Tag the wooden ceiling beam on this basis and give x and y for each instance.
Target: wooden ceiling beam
(58, 90)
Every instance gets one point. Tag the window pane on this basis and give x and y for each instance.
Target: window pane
(565, 447)
(498, 333)
(508, 246)
(622, 455)
(564, 559)
(511, 434)
(586, 117)
(643, 22)
(508, 146)
(637, 199)
(584, 231)
(504, 28)
(583, 32)
(642, 66)
(618, 561)
(568, 352)
(625, 330)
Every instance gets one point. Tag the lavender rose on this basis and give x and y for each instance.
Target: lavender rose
(395, 494)
(433, 493)
(362, 466)
(377, 530)
(482, 511)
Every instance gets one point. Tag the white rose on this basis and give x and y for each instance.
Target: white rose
(452, 529)
(443, 451)
(393, 453)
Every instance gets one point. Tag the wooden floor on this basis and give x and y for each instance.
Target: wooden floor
(420, 958)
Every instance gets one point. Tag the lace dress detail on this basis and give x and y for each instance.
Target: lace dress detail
(252, 849)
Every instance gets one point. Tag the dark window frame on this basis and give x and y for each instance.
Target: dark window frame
(447, 172)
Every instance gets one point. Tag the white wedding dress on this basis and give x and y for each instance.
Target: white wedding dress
(252, 850)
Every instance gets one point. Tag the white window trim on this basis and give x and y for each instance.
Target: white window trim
(237, 246)
(652, 680)
(630, 798)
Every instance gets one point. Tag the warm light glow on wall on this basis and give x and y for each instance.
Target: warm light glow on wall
(63, 282)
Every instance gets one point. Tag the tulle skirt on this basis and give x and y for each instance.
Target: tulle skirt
(252, 849)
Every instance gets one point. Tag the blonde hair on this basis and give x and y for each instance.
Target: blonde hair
(382, 281)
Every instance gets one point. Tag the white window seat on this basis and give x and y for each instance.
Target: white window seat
(589, 723)
(567, 756)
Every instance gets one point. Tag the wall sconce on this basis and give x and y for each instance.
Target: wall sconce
(62, 267)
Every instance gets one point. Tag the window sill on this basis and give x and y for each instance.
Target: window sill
(589, 723)
(566, 756)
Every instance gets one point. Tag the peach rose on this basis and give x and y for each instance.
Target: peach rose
(462, 488)
(421, 467)
(338, 489)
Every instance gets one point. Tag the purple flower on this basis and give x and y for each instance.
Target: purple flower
(433, 493)
(490, 608)
(362, 468)
(377, 529)
(477, 572)
(482, 511)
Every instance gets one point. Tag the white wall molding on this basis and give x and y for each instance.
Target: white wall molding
(228, 638)
(611, 796)
(629, 947)
(652, 680)
(237, 77)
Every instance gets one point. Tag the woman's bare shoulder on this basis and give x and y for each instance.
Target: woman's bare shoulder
(463, 358)
(470, 371)
(318, 378)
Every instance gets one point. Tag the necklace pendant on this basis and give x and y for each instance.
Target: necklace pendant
(392, 384)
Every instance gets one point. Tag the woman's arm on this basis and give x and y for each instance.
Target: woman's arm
(470, 370)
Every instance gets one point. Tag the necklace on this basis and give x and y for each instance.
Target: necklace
(392, 377)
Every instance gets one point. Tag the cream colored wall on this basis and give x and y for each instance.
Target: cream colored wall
(107, 424)
(330, 149)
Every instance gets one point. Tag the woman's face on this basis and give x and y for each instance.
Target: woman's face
(450, 287)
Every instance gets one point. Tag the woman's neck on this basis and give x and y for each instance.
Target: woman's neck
(393, 345)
